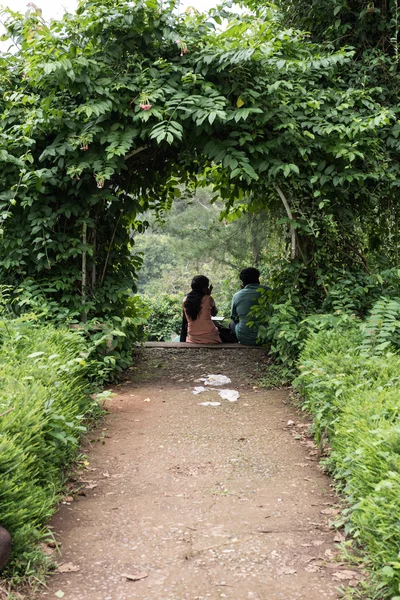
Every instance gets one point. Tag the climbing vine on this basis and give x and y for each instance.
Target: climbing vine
(107, 112)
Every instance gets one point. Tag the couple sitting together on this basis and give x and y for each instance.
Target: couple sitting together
(199, 308)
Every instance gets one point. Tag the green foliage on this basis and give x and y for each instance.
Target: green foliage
(381, 330)
(108, 111)
(165, 317)
(291, 310)
(354, 401)
(44, 404)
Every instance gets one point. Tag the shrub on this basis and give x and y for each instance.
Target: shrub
(165, 317)
(353, 397)
(44, 400)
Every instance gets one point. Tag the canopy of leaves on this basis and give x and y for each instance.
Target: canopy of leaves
(105, 112)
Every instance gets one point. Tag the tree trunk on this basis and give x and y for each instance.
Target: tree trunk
(84, 271)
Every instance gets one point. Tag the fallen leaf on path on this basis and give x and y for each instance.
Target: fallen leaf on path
(106, 474)
(345, 575)
(135, 576)
(287, 571)
(329, 511)
(90, 486)
(318, 542)
(59, 594)
(147, 400)
(312, 568)
(47, 550)
(335, 565)
(290, 423)
(339, 538)
(67, 568)
(68, 499)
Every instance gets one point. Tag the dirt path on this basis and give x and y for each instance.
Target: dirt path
(198, 502)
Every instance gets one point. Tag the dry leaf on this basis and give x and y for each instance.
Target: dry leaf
(106, 474)
(329, 511)
(68, 568)
(68, 499)
(290, 423)
(90, 486)
(312, 568)
(318, 542)
(345, 575)
(147, 400)
(286, 571)
(339, 538)
(135, 576)
(59, 594)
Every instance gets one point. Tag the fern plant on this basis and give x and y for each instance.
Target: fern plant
(381, 330)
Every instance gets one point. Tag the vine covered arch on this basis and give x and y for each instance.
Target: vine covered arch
(108, 111)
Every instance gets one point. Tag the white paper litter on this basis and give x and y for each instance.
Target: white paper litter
(209, 403)
(231, 395)
(198, 389)
(215, 380)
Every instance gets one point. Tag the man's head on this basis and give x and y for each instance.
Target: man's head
(250, 275)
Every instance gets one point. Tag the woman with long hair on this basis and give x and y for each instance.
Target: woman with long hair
(199, 307)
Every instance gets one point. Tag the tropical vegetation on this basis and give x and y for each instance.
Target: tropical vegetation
(133, 135)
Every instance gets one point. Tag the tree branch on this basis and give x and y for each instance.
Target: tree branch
(289, 214)
(128, 156)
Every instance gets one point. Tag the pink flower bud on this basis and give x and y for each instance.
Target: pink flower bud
(145, 106)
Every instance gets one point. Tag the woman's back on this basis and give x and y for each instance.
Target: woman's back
(202, 330)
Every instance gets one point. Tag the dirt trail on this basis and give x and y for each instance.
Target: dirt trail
(198, 502)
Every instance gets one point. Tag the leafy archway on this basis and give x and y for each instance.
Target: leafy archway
(108, 111)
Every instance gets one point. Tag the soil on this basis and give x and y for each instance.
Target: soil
(191, 502)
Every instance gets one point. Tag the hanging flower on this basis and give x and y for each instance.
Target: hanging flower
(144, 101)
(84, 147)
(182, 46)
(99, 181)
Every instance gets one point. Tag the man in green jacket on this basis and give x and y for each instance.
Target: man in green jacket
(242, 302)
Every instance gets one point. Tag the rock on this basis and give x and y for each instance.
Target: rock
(5, 547)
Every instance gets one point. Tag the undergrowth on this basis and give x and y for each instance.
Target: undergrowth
(350, 382)
(45, 404)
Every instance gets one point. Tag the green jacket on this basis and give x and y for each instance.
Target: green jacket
(242, 302)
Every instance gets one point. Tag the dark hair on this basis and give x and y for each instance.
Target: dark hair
(250, 275)
(192, 303)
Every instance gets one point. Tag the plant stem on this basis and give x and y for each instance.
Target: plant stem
(289, 214)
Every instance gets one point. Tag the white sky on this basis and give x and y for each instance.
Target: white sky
(53, 9)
